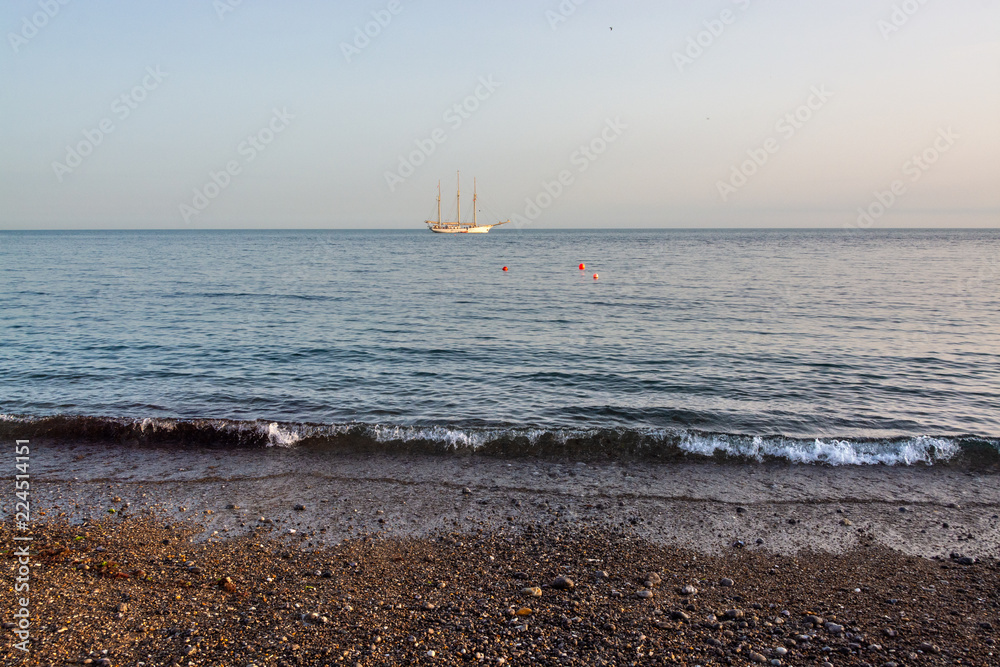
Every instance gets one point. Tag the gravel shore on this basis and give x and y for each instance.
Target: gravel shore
(134, 591)
(156, 557)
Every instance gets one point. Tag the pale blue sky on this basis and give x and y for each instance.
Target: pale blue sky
(680, 130)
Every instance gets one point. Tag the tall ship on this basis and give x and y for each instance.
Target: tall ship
(459, 227)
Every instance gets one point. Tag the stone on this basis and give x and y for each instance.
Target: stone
(688, 590)
(679, 616)
(815, 620)
(846, 522)
(733, 614)
(563, 583)
(601, 575)
(756, 657)
(466, 491)
(834, 628)
(726, 581)
(300, 508)
(651, 578)
(644, 594)
(532, 591)
(927, 647)
(781, 650)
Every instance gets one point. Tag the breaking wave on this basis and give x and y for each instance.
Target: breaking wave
(616, 443)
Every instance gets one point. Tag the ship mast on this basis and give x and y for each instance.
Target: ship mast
(458, 196)
(439, 202)
(475, 216)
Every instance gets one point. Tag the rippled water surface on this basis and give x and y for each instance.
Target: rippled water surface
(777, 334)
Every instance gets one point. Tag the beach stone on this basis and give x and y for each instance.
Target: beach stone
(965, 560)
(679, 616)
(644, 594)
(927, 647)
(846, 522)
(651, 578)
(532, 591)
(815, 620)
(601, 575)
(466, 491)
(733, 613)
(299, 508)
(781, 650)
(688, 590)
(563, 583)
(757, 657)
(726, 581)
(834, 628)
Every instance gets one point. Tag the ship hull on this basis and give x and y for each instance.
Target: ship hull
(481, 229)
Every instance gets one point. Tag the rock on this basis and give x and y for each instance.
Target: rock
(815, 620)
(889, 632)
(431, 654)
(516, 575)
(644, 594)
(688, 590)
(232, 506)
(740, 510)
(523, 611)
(679, 616)
(781, 650)
(563, 583)
(846, 522)
(927, 647)
(733, 614)
(834, 628)
(466, 491)
(532, 591)
(651, 579)
(427, 606)
(756, 657)
(299, 508)
(965, 560)
(227, 585)
(726, 581)
(601, 575)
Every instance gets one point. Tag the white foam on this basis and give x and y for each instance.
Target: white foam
(279, 437)
(920, 449)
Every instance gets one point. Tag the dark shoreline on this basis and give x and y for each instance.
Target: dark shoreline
(132, 591)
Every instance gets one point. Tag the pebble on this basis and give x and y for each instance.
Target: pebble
(846, 522)
(927, 647)
(688, 590)
(651, 578)
(644, 594)
(679, 616)
(834, 628)
(756, 657)
(563, 583)
(532, 591)
(726, 581)
(300, 508)
(601, 575)
(466, 491)
(733, 613)
(781, 650)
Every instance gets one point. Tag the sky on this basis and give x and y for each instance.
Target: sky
(199, 114)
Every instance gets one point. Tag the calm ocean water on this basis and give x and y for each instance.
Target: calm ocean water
(836, 346)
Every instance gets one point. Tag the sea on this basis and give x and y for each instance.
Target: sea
(814, 347)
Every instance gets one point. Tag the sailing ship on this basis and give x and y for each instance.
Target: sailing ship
(459, 227)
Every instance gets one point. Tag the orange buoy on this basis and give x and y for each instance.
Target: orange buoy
(582, 266)
(595, 276)
(505, 268)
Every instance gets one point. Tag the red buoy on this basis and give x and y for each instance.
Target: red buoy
(595, 276)
(505, 268)
(582, 266)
